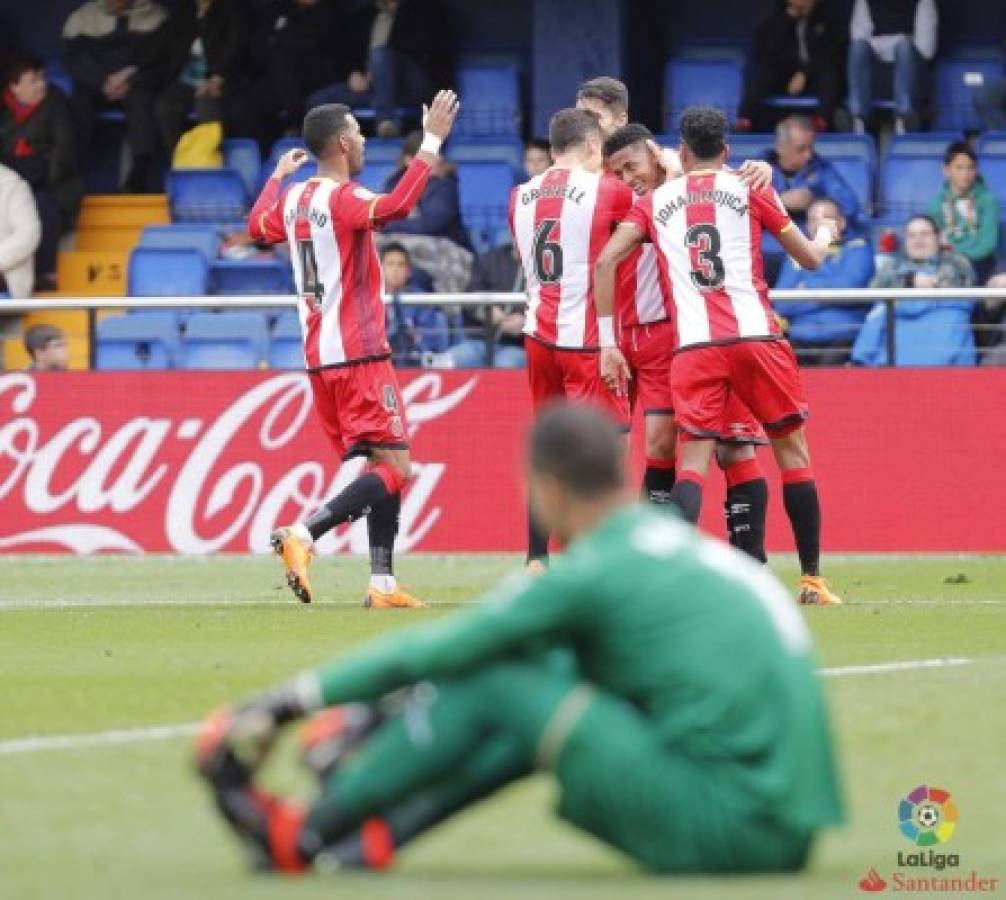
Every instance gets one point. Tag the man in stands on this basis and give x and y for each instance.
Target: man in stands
(328, 222)
(47, 347)
(708, 227)
(560, 220)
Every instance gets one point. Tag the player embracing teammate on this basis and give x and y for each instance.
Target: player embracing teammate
(707, 227)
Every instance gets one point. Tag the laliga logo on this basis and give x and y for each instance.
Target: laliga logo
(119, 472)
(927, 816)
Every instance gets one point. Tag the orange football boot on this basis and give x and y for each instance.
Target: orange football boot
(814, 591)
(396, 599)
(296, 557)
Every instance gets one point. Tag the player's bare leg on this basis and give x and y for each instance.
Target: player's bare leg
(661, 447)
(694, 456)
(799, 491)
(382, 529)
(747, 497)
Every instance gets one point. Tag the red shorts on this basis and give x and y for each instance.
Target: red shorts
(574, 375)
(649, 351)
(360, 407)
(707, 381)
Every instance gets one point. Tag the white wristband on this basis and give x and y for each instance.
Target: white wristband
(606, 330)
(431, 143)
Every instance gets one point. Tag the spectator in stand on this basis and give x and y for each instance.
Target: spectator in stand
(800, 175)
(897, 33)
(47, 348)
(397, 52)
(208, 71)
(417, 330)
(537, 156)
(116, 51)
(37, 141)
(927, 332)
(966, 211)
(798, 52)
(438, 213)
(20, 232)
(822, 333)
(500, 270)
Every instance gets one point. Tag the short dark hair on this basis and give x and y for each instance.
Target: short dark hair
(537, 143)
(922, 217)
(323, 123)
(581, 448)
(22, 62)
(959, 148)
(610, 91)
(570, 128)
(396, 247)
(626, 136)
(704, 131)
(38, 336)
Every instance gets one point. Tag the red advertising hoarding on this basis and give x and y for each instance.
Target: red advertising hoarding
(191, 462)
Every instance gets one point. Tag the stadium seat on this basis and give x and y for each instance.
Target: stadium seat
(374, 175)
(137, 342)
(503, 149)
(285, 347)
(484, 189)
(912, 172)
(490, 100)
(206, 195)
(307, 170)
(167, 272)
(382, 150)
(283, 144)
(226, 340)
(250, 276)
(742, 145)
(243, 156)
(56, 73)
(855, 157)
(958, 76)
(714, 80)
(192, 235)
(993, 170)
(991, 142)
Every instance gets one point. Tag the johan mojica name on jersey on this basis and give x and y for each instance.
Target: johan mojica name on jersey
(719, 197)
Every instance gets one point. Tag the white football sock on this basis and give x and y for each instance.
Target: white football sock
(302, 534)
(386, 584)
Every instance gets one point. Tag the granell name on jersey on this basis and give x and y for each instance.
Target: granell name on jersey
(720, 198)
(569, 192)
(316, 217)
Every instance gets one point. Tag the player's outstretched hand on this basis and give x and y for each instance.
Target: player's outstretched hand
(615, 371)
(668, 159)
(232, 743)
(290, 162)
(438, 117)
(756, 174)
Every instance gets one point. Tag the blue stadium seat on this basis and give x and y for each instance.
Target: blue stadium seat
(912, 172)
(283, 144)
(490, 100)
(193, 235)
(149, 341)
(713, 80)
(243, 156)
(206, 195)
(855, 157)
(226, 340)
(991, 142)
(382, 150)
(374, 175)
(250, 276)
(743, 145)
(484, 190)
(957, 78)
(56, 73)
(167, 272)
(286, 349)
(993, 169)
(509, 150)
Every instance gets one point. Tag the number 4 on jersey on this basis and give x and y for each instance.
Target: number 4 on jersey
(309, 266)
(547, 252)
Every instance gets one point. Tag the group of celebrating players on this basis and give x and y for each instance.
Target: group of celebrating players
(667, 682)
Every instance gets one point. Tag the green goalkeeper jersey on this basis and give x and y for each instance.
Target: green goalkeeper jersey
(706, 644)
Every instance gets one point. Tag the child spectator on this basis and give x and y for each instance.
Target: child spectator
(416, 329)
(47, 348)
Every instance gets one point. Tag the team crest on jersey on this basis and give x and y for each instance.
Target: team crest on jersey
(361, 193)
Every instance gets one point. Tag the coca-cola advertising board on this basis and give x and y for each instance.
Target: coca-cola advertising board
(207, 462)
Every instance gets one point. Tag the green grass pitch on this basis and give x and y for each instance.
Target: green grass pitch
(93, 645)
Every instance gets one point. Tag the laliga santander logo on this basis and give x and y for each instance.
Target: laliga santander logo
(927, 816)
(220, 473)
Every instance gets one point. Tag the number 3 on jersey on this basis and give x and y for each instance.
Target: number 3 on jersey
(708, 272)
(547, 253)
(309, 266)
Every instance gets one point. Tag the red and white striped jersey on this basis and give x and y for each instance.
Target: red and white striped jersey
(329, 226)
(561, 221)
(642, 297)
(707, 226)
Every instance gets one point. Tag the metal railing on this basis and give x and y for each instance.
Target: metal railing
(487, 300)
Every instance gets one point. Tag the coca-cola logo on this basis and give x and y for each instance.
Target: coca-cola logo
(220, 482)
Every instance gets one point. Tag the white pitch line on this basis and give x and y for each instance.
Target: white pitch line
(186, 729)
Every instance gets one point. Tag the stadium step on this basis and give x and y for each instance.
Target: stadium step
(121, 239)
(92, 273)
(123, 211)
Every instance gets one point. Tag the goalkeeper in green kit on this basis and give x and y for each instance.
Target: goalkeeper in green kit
(666, 681)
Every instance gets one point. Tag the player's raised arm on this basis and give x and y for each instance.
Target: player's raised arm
(265, 221)
(438, 120)
(808, 254)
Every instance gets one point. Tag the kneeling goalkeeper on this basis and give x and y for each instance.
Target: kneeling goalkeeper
(666, 681)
